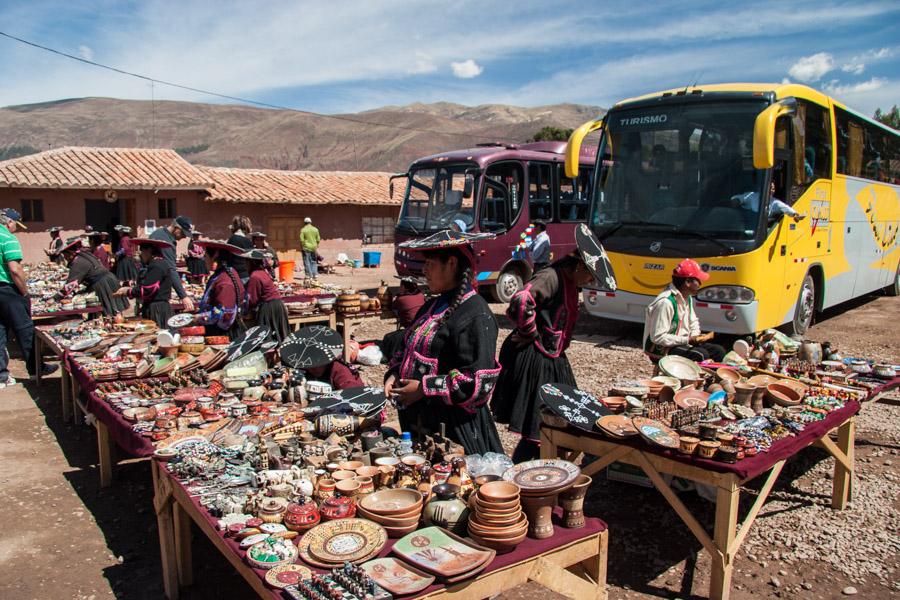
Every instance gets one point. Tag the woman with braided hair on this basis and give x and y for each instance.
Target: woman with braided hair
(220, 307)
(544, 315)
(85, 269)
(446, 370)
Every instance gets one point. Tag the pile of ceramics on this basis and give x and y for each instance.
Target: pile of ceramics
(397, 510)
(496, 520)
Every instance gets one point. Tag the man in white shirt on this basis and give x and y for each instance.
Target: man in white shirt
(671, 325)
(540, 247)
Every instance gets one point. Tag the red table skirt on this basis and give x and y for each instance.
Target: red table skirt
(749, 467)
(119, 429)
(68, 313)
(527, 549)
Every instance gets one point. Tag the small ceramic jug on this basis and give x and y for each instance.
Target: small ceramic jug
(446, 509)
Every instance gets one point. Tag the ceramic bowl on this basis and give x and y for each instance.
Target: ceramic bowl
(413, 460)
(389, 521)
(496, 506)
(783, 395)
(399, 532)
(614, 403)
(372, 472)
(347, 487)
(490, 521)
(499, 491)
(341, 475)
(729, 374)
(387, 461)
(393, 502)
(350, 465)
(495, 531)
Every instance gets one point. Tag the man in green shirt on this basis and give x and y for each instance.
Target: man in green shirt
(309, 244)
(15, 305)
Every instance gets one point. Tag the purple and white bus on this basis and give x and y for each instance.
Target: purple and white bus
(498, 188)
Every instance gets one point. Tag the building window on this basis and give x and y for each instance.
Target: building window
(167, 208)
(378, 230)
(32, 210)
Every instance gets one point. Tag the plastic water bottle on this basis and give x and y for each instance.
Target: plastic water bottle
(406, 444)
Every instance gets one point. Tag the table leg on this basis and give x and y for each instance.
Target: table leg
(183, 554)
(332, 320)
(549, 448)
(65, 391)
(842, 488)
(595, 566)
(162, 502)
(104, 449)
(726, 526)
(77, 417)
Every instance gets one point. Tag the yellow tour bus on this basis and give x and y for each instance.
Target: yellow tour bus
(698, 172)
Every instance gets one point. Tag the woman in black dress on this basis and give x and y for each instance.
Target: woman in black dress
(126, 268)
(446, 371)
(56, 244)
(263, 297)
(154, 286)
(544, 315)
(240, 237)
(196, 265)
(220, 308)
(84, 268)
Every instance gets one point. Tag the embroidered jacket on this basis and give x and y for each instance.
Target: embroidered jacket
(84, 269)
(153, 283)
(454, 359)
(546, 311)
(220, 305)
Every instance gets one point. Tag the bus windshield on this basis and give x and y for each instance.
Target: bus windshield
(680, 168)
(438, 196)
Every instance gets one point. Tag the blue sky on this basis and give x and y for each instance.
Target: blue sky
(352, 55)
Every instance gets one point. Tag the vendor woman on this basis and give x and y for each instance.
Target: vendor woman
(196, 264)
(126, 269)
(84, 268)
(446, 371)
(154, 287)
(671, 325)
(260, 243)
(220, 307)
(544, 315)
(98, 249)
(56, 244)
(263, 297)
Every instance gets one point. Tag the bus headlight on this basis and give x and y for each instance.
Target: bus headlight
(726, 294)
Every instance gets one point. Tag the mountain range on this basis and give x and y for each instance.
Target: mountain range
(383, 139)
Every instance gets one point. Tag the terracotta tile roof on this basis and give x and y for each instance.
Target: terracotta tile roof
(300, 187)
(103, 168)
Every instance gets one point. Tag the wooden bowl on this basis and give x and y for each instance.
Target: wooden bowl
(783, 395)
(497, 505)
(499, 491)
(501, 546)
(393, 502)
(399, 532)
(388, 521)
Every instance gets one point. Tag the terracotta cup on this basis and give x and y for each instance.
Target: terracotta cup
(572, 502)
(386, 475)
(342, 475)
(366, 485)
(539, 510)
(348, 487)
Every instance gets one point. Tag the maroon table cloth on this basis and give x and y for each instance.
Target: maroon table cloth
(749, 467)
(119, 429)
(527, 549)
(68, 313)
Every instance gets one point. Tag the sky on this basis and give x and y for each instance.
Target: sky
(352, 55)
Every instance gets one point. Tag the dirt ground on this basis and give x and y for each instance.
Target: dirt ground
(61, 536)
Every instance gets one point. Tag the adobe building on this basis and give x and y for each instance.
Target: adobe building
(73, 187)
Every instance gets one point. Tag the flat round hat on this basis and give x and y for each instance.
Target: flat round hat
(310, 347)
(595, 258)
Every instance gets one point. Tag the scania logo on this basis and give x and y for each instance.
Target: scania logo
(655, 247)
(654, 266)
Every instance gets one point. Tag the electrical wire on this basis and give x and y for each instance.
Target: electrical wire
(153, 80)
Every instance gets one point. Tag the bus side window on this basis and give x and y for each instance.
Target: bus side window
(574, 200)
(539, 196)
(502, 200)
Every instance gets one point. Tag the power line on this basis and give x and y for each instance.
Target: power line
(153, 80)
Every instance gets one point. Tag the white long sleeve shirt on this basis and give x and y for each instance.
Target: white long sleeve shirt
(660, 316)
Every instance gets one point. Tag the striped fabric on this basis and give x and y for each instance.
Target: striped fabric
(10, 249)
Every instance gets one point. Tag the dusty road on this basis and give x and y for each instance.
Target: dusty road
(62, 537)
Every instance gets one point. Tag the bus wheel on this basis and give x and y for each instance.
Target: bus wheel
(806, 307)
(894, 288)
(506, 287)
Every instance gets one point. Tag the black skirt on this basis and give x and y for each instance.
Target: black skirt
(273, 314)
(158, 312)
(126, 269)
(525, 370)
(476, 433)
(196, 266)
(105, 287)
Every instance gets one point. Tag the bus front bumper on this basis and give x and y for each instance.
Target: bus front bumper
(737, 319)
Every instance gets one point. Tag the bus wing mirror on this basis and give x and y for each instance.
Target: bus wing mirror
(573, 147)
(391, 183)
(764, 132)
(468, 187)
(391, 190)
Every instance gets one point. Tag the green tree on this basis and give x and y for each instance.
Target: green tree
(890, 118)
(552, 134)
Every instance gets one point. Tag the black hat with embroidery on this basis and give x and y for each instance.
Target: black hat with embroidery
(310, 347)
(594, 257)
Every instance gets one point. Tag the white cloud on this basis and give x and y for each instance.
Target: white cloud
(868, 95)
(857, 64)
(812, 68)
(85, 52)
(856, 68)
(836, 88)
(422, 64)
(466, 69)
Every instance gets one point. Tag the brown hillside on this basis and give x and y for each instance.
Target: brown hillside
(242, 136)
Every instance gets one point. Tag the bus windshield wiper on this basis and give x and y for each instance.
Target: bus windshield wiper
(680, 230)
(619, 225)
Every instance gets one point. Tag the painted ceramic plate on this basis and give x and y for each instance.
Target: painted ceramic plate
(254, 539)
(618, 426)
(85, 344)
(691, 398)
(543, 474)
(303, 549)
(396, 576)
(656, 432)
(180, 320)
(285, 575)
(345, 540)
(680, 367)
(252, 339)
(312, 346)
(360, 401)
(577, 407)
(436, 550)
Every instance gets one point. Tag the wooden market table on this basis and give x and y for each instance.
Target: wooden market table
(44, 341)
(727, 537)
(572, 562)
(347, 324)
(298, 321)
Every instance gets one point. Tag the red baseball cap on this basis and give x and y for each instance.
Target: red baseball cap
(689, 268)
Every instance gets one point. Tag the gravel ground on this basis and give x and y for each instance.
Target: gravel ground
(63, 537)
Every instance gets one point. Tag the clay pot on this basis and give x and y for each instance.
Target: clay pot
(301, 517)
(446, 509)
(338, 508)
(688, 444)
(324, 488)
(539, 511)
(271, 510)
(348, 487)
(743, 393)
(366, 485)
(499, 491)
(572, 502)
(708, 449)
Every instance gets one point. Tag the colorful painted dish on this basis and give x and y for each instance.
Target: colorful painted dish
(282, 576)
(85, 344)
(678, 366)
(252, 339)
(436, 550)
(577, 407)
(312, 346)
(691, 398)
(543, 475)
(629, 388)
(256, 538)
(656, 432)
(396, 576)
(271, 552)
(617, 426)
(361, 401)
(180, 320)
(303, 550)
(345, 540)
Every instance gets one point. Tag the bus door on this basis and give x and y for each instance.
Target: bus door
(784, 250)
(501, 205)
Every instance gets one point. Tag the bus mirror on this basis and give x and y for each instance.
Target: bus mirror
(468, 187)
(391, 183)
(391, 190)
(573, 147)
(764, 132)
